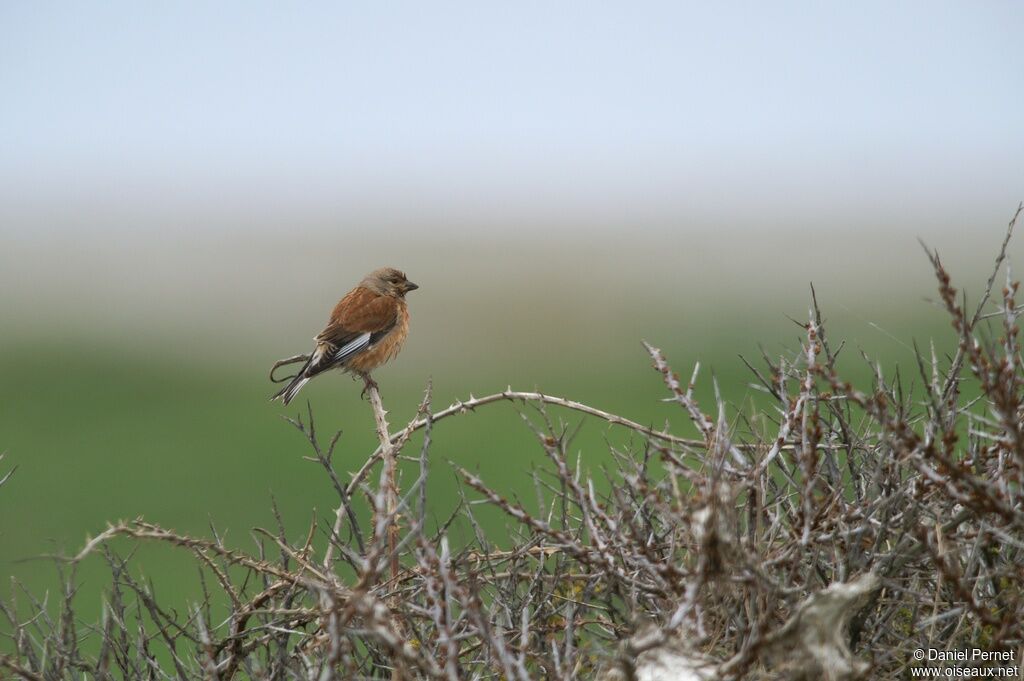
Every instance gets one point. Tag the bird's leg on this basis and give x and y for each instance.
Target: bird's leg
(368, 384)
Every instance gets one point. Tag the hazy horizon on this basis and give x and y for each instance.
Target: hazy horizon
(658, 113)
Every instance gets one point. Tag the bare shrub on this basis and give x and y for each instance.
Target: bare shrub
(868, 524)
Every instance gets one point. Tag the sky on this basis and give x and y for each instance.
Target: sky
(569, 110)
(186, 188)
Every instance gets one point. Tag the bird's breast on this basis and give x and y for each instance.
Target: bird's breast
(386, 348)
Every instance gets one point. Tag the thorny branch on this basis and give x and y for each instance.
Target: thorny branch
(859, 526)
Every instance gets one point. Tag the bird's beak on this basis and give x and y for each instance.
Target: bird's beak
(409, 286)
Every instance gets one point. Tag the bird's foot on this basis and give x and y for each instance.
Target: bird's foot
(368, 384)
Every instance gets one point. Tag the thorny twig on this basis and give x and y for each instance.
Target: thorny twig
(901, 511)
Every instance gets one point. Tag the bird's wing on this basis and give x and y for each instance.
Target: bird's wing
(358, 321)
(354, 346)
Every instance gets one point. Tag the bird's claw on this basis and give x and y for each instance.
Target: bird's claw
(368, 383)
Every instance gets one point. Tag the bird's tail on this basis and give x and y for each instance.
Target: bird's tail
(288, 393)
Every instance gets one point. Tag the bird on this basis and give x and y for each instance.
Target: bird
(367, 328)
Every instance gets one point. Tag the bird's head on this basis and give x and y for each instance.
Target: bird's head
(388, 281)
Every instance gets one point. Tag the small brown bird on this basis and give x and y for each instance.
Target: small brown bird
(366, 329)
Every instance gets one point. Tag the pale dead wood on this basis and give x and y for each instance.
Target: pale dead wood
(828, 535)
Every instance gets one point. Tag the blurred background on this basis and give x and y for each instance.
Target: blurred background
(186, 189)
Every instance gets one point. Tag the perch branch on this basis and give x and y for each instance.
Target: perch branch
(388, 484)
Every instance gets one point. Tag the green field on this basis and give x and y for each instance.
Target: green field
(101, 432)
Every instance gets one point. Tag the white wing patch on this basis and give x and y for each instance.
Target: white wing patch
(352, 347)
